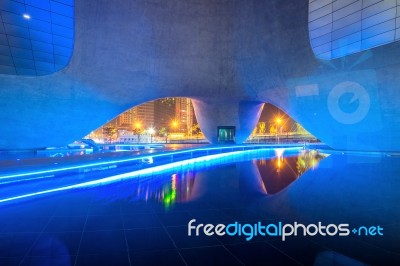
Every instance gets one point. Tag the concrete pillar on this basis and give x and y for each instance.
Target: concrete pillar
(211, 113)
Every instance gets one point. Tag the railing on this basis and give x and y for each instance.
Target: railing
(282, 138)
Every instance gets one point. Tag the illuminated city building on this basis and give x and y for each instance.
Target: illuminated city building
(157, 114)
(184, 114)
(144, 115)
(164, 112)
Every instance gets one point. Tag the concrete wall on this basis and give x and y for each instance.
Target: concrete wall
(228, 55)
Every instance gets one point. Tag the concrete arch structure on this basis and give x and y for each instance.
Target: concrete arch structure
(229, 56)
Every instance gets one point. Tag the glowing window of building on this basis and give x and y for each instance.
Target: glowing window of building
(341, 27)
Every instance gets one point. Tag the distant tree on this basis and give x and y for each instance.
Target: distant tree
(138, 131)
(196, 130)
(272, 129)
(261, 127)
(163, 132)
(110, 132)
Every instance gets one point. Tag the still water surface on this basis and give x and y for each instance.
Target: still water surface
(144, 221)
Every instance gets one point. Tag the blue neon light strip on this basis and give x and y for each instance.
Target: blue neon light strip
(126, 160)
(138, 173)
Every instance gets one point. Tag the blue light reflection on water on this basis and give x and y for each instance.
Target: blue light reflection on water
(355, 189)
(182, 184)
(16, 192)
(359, 190)
(160, 158)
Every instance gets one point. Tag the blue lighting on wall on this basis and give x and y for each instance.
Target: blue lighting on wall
(36, 37)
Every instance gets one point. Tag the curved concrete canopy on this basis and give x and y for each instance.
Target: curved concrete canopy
(229, 56)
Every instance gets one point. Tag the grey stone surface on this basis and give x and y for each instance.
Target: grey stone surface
(229, 56)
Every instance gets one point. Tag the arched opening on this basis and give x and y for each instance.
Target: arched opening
(172, 120)
(166, 121)
(276, 126)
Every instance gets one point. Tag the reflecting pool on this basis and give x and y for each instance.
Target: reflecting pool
(144, 221)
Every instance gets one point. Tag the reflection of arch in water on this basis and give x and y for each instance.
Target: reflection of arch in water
(239, 176)
(279, 172)
(256, 177)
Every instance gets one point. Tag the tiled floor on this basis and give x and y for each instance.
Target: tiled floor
(100, 226)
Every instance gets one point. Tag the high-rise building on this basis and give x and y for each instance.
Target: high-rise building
(164, 112)
(174, 114)
(126, 119)
(184, 115)
(143, 115)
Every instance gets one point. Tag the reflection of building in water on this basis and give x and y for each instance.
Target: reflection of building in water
(166, 189)
(177, 189)
(278, 172)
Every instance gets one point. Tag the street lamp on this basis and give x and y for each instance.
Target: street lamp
(138, 125)
(278, 121)
(137, 130)
(175, 124)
